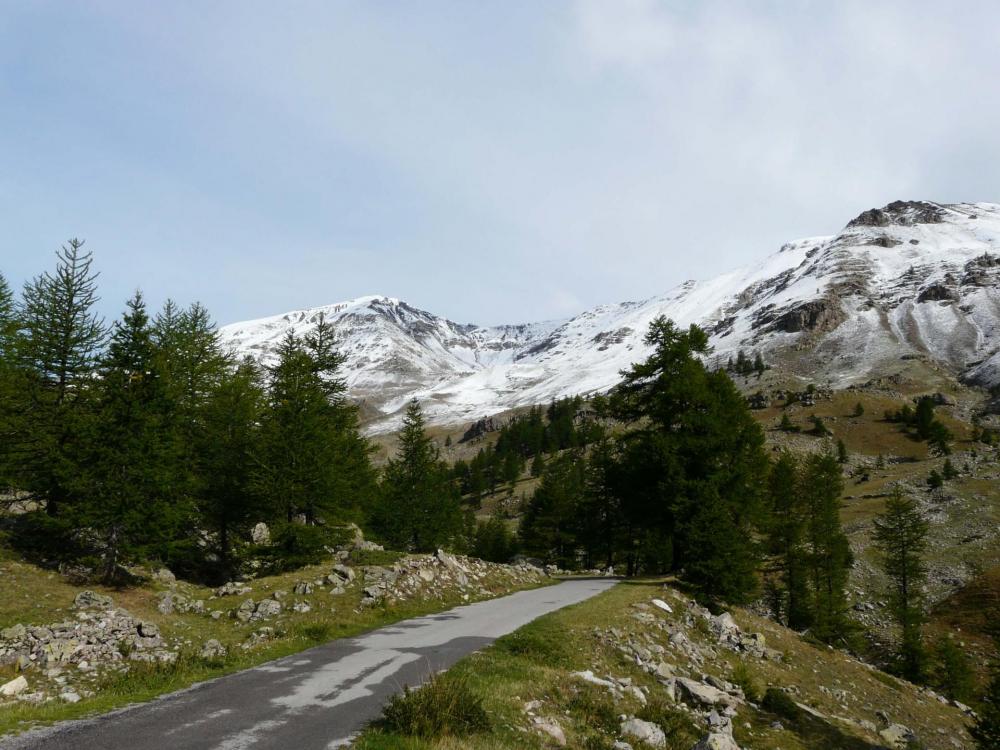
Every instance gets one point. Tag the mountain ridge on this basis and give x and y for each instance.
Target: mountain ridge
(913, 279)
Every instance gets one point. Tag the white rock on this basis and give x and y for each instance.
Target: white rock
(14, 687)
(644, 731)
(552, 729)
(662, 605)
(717, 741)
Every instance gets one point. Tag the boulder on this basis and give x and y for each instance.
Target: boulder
(14, 632)
(245, 611)
(15, 687)
(261, 534)
(343, 573)
(212, 649)
(233, 589)
(164, 576)
(551, 728)
(92, 600)
(706, 695)
(898, 736)
(644, 731)
(149, 630)
(266, 608)
(717, 741)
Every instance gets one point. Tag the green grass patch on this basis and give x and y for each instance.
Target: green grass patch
(442, 707)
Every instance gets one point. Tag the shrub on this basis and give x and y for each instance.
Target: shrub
(445, 706)
(779, 702)
(743, 677)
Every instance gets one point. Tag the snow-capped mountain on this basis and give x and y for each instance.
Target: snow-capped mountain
(910, 280)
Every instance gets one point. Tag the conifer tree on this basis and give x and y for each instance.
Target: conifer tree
(841, 452)
(124, 467)
(227, 504)
(830, 556)
(698, 465)
(418, 506)
(62, 340)
(550, 524)
(901, 535)
(312, 460)
(986, 730)
(786, 543)
(11, 385)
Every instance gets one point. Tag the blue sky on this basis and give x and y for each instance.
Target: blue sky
(489, 161)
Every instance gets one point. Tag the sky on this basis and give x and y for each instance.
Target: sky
(492, 162)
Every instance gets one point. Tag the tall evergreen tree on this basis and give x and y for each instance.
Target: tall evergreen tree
(702, 463)
(62, 340)
(551, 523)
(313, 462)
(786, 544)
(901, 534)
(830, 556)
(227, 446)
(124, 466)
(418, 505)
(11, 386)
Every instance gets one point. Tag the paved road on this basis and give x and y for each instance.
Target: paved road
(314, 699)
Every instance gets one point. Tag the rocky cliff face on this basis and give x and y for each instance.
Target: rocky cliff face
(911, 280)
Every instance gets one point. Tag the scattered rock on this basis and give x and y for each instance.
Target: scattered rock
(212, 649)
(644, 731)
(15, 687)
(551, 728)
(92, 600)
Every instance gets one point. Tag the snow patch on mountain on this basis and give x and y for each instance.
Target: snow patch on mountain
(912, 279)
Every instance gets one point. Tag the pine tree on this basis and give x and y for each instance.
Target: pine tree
(786, 424)
(986, 730)
(953, 674)
(786, 544)
(312, 460)
(859, 409)
(829, 556)
(227, 503)
(841, 452)
(696, 463)
(901, 535)
(11, 386)
(124, 466)
(949, 471)
(550, 524)
(62, 340)
(934, 480)
(418, 506)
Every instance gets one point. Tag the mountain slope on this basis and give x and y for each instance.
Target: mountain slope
(910, 280)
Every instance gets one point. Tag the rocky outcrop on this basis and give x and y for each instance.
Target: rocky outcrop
(901, 213)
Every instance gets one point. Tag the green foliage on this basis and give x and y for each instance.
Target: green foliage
(692, 469)
(859, 409)
(58, 353)
(312, 460)
(786, 424)
(819, 428)
(295, 545)
(125, 479)
(418, 505)
(952, 670)
(934, 480)
(549, 525)
(949, 471)
(841, 452)
(901, 535)
(494, 541)
(444, 706)
(827, 552)
(744, 678)
(986, 730)
(780, 703)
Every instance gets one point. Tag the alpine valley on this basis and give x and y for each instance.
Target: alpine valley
(910, 290)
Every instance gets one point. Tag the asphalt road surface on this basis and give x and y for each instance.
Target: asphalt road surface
(315, 699)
